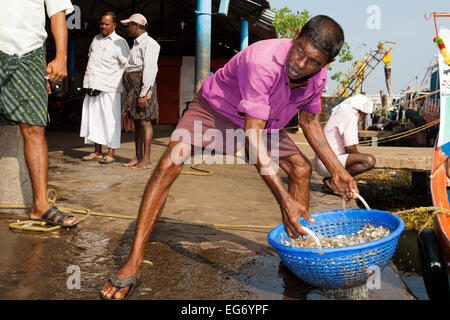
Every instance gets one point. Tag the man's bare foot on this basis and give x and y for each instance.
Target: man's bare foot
(111, 292)
(143, 165)
(132, 163)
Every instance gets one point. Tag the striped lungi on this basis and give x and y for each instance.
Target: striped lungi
(23, 89)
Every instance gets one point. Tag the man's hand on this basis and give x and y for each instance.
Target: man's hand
(142, 102)
(291, 210)
(351, 149)
(57, 69)
(345, 184)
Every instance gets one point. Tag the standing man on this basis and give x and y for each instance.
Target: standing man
(23, 86)
(261, 87)
(101, 118)
(341, 131)
(141, 103)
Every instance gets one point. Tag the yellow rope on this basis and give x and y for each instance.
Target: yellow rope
(383, 108)
(402, 135)
(407, 101)
(405, 214)
(28, 225)
(202, 172)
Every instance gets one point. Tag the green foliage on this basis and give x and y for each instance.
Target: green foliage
(345, 54)
(286, 24)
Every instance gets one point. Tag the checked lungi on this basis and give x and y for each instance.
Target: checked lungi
(23, 89)
(132, 82)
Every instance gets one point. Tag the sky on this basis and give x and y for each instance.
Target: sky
(399, 21)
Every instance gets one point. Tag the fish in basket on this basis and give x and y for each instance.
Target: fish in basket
(356, 242)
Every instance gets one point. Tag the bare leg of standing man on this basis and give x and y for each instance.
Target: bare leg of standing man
(36, 156)
(146, 136)
(137, 144)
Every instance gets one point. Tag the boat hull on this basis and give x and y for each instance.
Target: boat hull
(440, 192)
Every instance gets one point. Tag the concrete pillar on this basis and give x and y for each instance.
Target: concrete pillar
(203, 42)
(15, 183)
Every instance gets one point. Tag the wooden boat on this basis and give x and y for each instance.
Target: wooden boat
(440, 190)
(434, 244)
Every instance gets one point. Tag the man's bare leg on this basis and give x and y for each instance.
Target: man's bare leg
(111, 152)
(153, 200)
(36, 157)
(98, 149)
(137, 144)
(147, 137)
(358, 163)
(299, 172)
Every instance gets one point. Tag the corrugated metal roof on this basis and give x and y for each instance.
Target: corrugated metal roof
(175, 20)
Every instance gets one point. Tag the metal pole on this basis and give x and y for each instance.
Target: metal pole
(203, 42)
(244, 34)
(223, 8)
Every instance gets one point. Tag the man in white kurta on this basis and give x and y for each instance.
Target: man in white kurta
(101, 117)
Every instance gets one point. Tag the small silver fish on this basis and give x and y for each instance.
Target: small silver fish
(368, 233)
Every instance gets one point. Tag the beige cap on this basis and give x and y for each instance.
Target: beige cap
(137, 18)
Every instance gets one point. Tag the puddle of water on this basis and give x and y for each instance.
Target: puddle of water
(406, 259)
(38, 266)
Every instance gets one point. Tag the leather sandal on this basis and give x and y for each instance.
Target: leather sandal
(107, 160)
(55, 217)
(91, 156)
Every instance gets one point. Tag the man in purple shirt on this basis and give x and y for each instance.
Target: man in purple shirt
(260, 88)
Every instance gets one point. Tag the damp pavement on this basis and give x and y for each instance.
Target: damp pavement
(188, 261)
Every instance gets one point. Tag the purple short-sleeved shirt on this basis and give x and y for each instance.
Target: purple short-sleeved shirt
(254, 82)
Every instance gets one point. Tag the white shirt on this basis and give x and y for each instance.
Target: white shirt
(22, 23)
(341, 130)
(144, 57)
(107, 59)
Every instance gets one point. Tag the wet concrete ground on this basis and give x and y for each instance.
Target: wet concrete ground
(189, 262)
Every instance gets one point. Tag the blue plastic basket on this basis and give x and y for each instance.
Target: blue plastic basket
(342, 267)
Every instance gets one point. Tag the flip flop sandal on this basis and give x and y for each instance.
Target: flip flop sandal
(107, 160)
(131, 281)
(91, 156)
(56, 219)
